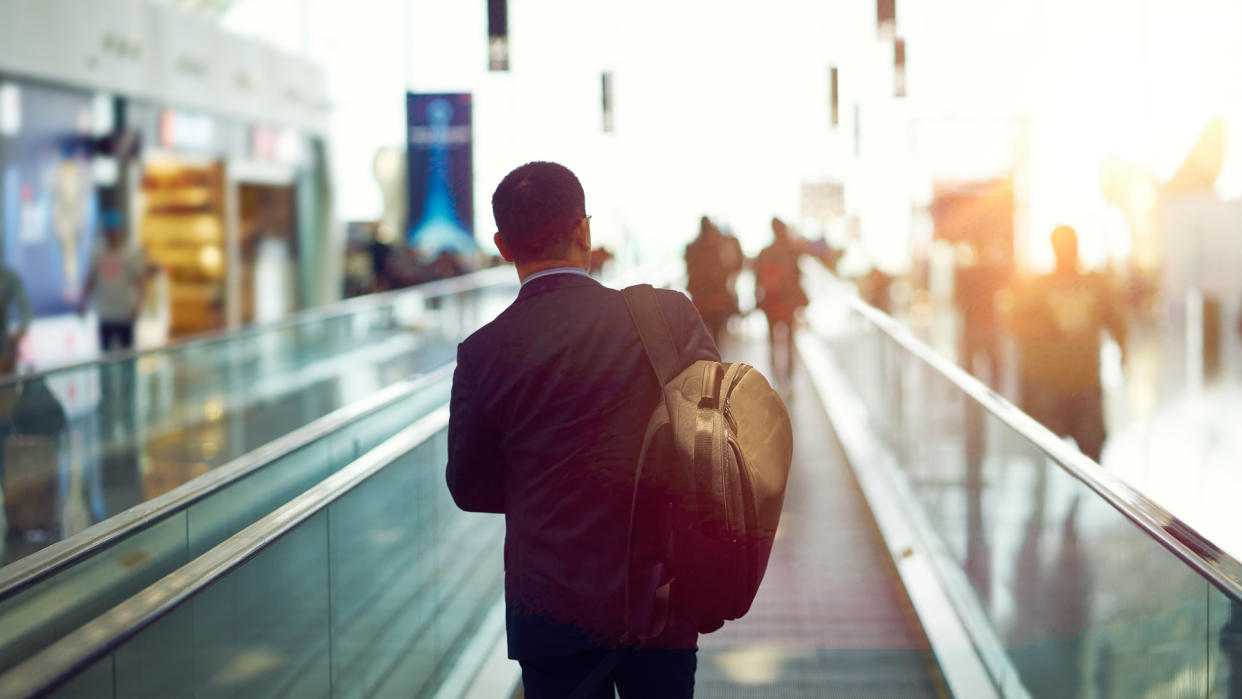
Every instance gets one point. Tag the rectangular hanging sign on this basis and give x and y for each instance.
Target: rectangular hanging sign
(440, 151)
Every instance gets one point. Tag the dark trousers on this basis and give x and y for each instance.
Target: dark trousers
(116, 379)
(115, 336)
(654, 674)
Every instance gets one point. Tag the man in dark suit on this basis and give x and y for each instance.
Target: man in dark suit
(549, 405)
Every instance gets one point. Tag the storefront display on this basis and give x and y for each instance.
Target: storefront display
(268, 251)
(181, 228)
(215, 205)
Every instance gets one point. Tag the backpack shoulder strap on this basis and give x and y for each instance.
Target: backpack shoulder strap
(653, 330)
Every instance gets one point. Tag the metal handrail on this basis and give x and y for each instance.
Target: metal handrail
(61, 661)
(1182, 540)
(493, 276)
(52, 559)
(42, 564)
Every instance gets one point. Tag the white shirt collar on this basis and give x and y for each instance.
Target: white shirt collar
(555, 270)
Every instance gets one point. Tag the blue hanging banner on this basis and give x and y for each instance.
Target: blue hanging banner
(441, 175)
(48, 201)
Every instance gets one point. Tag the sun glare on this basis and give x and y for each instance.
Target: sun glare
(1118, 112)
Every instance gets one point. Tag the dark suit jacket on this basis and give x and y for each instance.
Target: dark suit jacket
(550, 402)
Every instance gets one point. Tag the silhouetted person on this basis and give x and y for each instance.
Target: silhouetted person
(712, 263)
(1058, 319)
(115, 284)
(381, 255)
(1213, 325)
(12, 294)
(975, 290)
(550, 402)
(779, 294)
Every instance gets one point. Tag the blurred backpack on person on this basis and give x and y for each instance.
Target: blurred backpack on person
(37, 411)
(718, 447)
(778, 282)
(713, 261)
(31, 455)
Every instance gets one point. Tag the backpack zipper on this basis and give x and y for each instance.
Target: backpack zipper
(727, 406)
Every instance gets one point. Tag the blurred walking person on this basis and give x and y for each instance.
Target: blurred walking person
(977, 287)
(381, 256)
(31, 428)
(712, 263)
(115, 283)
(1057, 320)
(12, 293)
(779, 294)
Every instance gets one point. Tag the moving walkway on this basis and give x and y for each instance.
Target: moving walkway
(936, 541)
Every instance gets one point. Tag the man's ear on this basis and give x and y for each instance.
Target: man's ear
(582, 235)
(500, 245)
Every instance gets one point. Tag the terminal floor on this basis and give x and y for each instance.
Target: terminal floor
(831, 618)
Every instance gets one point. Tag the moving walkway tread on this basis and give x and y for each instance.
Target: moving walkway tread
(831, 618)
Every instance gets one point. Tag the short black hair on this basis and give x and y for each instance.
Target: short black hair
(536, 207)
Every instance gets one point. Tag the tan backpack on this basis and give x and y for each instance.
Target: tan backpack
(715, 460)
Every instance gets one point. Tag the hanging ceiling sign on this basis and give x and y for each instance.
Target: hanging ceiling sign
(886, 18)
(440, 152)
(497, 35)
